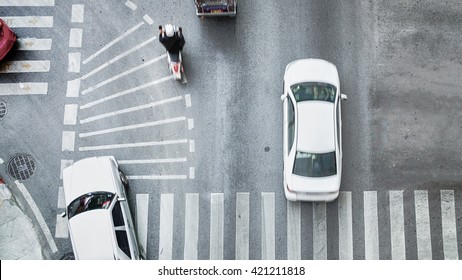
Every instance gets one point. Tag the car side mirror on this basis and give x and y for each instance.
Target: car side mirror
(343, 96)
(284, 96)
(63, 214)
(121, 199)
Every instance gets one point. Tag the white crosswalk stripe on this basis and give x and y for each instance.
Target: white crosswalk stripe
(422, 220)
(216, 226)
(268, 239)
(26, 3)
(345, 221)
(371, 226)
(142, 207)
(191, 226)
(448, 217)
(29, 21)
(34, 44)
(25, 66)
(398, 240)
(319, 231)
(294, 231)
(242, 226)
(166, 227)
(23, 88)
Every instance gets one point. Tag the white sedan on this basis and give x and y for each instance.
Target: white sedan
(100, 223)
(312, 131)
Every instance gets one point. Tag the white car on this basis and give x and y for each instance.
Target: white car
(312, 132)
(99, 219)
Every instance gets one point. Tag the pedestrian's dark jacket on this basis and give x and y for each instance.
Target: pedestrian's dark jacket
(174, 43)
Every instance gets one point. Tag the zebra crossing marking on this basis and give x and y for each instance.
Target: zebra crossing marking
(74, 62)
(294, 243)
(148, 19)
(27, 3)
(216, 225)
(242, 226)
(319, 231)
(166, 226)
(345, 225)
(133, 145)
(29, 21)
(77, 13)
(192, 146)
(398, 240)
(25, 66)
(147, 161)
(23, 88)
(142, 213)
(75, 38)
(371, 226)
(61, 198)
(73, 88)
(422, 221)
(61, 230)
(68, 141)
(131, 5)
(65, 163)
(448, 221)
(34, 44)
(157, 177)
(191, 226)
(70, 114)
(268, 239)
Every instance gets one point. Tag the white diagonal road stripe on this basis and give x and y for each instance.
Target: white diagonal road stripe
(23, 88)
(29, 21)
(191, 226)
(26, 3)
(25, 66)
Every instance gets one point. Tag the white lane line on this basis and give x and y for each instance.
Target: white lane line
(38, 216)
(147, 161)
(130, 127)
(125, 92)
(190, 124)
(70, 114)
(166, 227)
(27, 3)
(23, 88)
(61, 198)
(29, 21)
(148, 19)
(242, 225)
(188, 100)
(73, 88)
(75, 38)
(74, 62)
(65, 163)
(131, 109)
(34, 44)
(131, 5)
(422, 221)
(142, 207)
(192, 147)
(118, 76)
(371, 226)
(25, 66)
(191, 226)
(294, 235)
(157, 177)
(133, 145)
(268, 226)
(77, 13)
(121, 37)
(216, 225)
(448, 220)
(192, 172)
(398, 240)
(1, 161)
(122, 55)
(61, 230)
(68, 142)
(345, 226)
(319, 231)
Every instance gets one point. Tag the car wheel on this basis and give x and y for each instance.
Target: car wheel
(124, 179)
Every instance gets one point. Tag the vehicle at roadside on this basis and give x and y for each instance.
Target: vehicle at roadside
(7, 39)
(312, 130)
(206, 8)
(99, 219)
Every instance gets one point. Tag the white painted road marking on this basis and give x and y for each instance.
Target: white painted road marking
(29, 21)
(133, 145)
(294, 236)
(34, 44)
(192, 147)
(398, 240)
(188, 100)
(142, 211)
(77, 13)
(192, 172)
(319, 231)
(268, 240)
(130, 127)
(131, 5)
(68, 141)
(23, 88)
(70, 114)
(26, 3)
(65, 163)
(242, 226)
(216, 226)
(191, 226)
(38, 216)
(166, 227)
(74, 62)
(25, 66)
(157, 177)
(448, 220)
(148, 19)
(422, 221)
(190, 124)
(75, 38)
(345, 226)
(73, 88)
(61, 230)
(371, 226)
(147, 161)
(125, 92)
(121, 37)
(61, 198)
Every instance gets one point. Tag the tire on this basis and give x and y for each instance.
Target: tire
(67, 256)
(124, 179)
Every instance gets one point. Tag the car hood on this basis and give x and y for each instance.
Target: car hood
(311, 70)
(91, 235)
(314, 184)
(88, 175)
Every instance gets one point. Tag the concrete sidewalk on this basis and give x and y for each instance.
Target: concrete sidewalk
(18, 236)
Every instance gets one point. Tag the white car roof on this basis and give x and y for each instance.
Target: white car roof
(88, 175)
(316, 125)
(90, 230)
(311, 70)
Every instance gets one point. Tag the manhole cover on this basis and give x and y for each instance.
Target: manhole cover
(21, 167)
(2, 109)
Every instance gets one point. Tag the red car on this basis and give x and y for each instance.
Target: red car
(7, 39)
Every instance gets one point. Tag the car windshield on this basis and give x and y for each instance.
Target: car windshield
(90, 201)
(315, 165)
(314, 91)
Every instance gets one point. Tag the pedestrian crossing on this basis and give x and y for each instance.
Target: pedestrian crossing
(30, 46)
(245, 226)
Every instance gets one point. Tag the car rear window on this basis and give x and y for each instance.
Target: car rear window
(315, 165)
